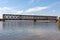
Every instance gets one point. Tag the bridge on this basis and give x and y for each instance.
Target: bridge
(28, 17)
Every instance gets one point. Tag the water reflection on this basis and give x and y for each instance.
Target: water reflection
(28, 30)
(1, 25)
(27, 24)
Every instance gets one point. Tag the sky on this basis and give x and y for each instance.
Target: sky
(30, 7)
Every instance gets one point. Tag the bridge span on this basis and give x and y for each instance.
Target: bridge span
(28, 17)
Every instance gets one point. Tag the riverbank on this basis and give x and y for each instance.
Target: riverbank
(2, 20)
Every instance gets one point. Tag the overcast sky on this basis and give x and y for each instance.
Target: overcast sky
(32, 7)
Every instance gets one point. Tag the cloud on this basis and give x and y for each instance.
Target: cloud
(19, 12)
(4, 8)
(35, 9)
(7, 10)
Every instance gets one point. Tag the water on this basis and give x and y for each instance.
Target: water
(28, 30)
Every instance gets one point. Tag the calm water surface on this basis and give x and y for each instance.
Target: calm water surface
(28, 30)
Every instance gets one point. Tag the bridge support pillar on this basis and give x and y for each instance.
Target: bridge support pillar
(34, 20)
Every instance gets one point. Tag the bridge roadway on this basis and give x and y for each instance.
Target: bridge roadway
(28, 17)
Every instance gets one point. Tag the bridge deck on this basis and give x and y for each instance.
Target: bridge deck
(27, 17)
